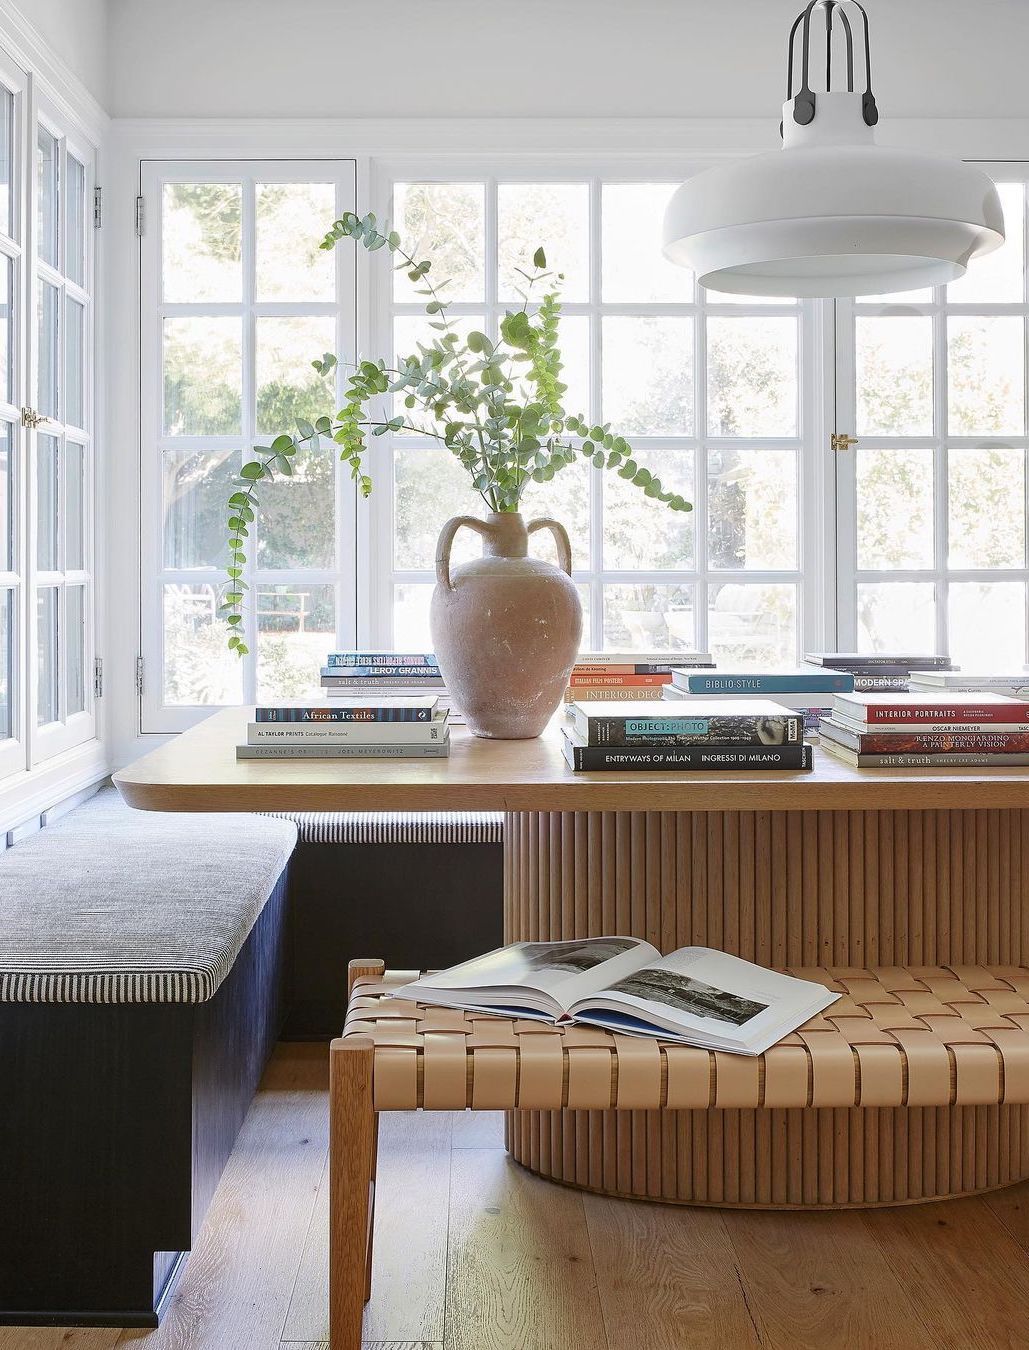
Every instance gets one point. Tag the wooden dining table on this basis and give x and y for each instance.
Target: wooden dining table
(836, 867)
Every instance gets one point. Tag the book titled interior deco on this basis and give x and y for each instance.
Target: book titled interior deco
(703, 722)
(695, 996)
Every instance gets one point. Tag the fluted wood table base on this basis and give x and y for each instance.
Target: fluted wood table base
(797, 888)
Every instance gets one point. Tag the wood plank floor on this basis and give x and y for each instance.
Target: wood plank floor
(473, 1253)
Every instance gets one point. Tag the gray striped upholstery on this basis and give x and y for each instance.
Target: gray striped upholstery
(397, 827)
(111, 905)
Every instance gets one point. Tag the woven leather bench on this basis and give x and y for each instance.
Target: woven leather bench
(898, 1037)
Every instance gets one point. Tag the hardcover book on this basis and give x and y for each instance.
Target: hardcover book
(377, 672)
(941, 761)
(438, 750)
(703, 722)
(914, 709)
(381, 658)
(925, 742)
(637, 668)
(434, 681)
(787, 682)
(847, 660)
(620, 680)
(665, 659)
(354, 710)
(322, 732)
(685, 758)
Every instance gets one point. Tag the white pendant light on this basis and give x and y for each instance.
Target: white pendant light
(832, 213)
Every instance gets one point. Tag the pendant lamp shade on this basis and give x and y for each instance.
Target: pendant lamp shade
(832, 213)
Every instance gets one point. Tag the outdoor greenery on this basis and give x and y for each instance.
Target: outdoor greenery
(498, 408)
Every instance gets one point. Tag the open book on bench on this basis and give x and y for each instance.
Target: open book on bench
(697, 996)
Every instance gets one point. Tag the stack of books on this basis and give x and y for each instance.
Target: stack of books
(371, 674)
(412, 727)
(928, 730)
(885, 672)
(709, 734)
(1013, 683)
(809, 693)
(637, 677)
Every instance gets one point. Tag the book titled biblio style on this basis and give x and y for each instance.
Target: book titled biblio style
(695, 996)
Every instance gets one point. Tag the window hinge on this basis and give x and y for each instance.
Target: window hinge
(98, 677)
(32, 419)
(98, 207)
(139, 676)
(139, 217)
(841, 441)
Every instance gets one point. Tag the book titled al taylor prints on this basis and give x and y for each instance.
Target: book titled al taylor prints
(695, 996)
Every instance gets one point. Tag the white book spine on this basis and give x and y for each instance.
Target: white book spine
(347, 733)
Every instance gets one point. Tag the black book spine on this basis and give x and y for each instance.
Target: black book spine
(593, 758)
(312, 716)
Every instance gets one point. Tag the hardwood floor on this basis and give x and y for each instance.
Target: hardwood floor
(473, 1253)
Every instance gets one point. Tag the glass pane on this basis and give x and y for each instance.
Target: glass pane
(197, 484)
(895, 515)
(203, 378)
(565, 498)
(75, 648)
(648, 376)
(987, 507)
(296, 521)
(987, 625)
(202, 243)
(986, 376)
(554, 216)
(288, 387)
(6, 667)
(430, 486)
(74, 364)
(574, 346)
(641, 533)
(6, 158)
(296, 626)
(74, 507)
(896, 616)
(198, 667)
(752, 508)
(6, 497)
(292, 219)
(649, 618)
(751, 377)
(46, 503)
(75, 262)
(48, 155)
(6, 330)
(894, 359)
(997, 278)
(411, 616)
(47, 655)
(445, 224)
(46, 384)
(634, 268)
(751, 626)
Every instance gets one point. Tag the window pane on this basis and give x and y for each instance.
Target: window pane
(554, 216)
(6, 330)
(202, 243)
(288, 387)
(6, 497)
(410, 332)
(47, 655)
(644, 534)
(46, 395)
(894, 358)
(752, 625)
(752, 377)
(6, 663)
(987, 625)
(47, 172)
(296, 520)
(198, 667)
(649, 618)
(897, 616)
(6, 158)
(986, 376)
(74, 507)
(894, 508)
(634, 268)
(997, 278)
(296, 629)
(566, 498)
(202, 377)
(75, 648)
(46, 503)
(411, 616)
(430, 486)
(445, 224)
(197, 484)
(292, 219)
(987, 507)
(75, 262)
(752, 506)
(648, 376)
(74, 364)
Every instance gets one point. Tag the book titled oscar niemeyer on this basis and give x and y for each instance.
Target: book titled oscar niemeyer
(415, 709)
(709, 722)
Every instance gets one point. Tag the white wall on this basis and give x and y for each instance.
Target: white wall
(76, 32)
(539, 58)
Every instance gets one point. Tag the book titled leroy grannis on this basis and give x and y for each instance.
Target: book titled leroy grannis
(384, 709)
(695, 996)
(700, 722)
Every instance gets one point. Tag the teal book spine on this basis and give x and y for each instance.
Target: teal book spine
(711, 682)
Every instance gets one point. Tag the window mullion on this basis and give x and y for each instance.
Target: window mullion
(248, 253)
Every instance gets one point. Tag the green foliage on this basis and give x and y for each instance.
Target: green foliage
(498, 408)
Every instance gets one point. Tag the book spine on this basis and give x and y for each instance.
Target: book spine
(344, 714)
(673, 660)
(829, 683)
(963, 714)
(440, 751)
(642, 668)
(596, 758)
(939, 743)
(613, 694)
(849, 660)
(347, 733)
(731, 731)
(956, 761)
(417, 673)
(381, 682)
(381, 659)
(881, 684)
(618, 681)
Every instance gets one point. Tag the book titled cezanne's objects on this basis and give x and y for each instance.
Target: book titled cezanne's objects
(695, 996)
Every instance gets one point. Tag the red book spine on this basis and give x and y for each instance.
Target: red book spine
(944, 742)
(619, 681)
(973, 713)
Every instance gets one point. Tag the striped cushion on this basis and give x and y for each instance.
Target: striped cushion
(397, 827)
(112, 905)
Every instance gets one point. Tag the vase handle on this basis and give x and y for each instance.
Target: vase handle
(446, 539)
(564, 547)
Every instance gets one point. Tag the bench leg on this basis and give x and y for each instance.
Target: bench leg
(351, 1164)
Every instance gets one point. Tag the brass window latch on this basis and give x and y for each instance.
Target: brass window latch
(841, 441)
(32, 419)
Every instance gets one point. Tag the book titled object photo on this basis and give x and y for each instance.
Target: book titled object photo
(696, 996)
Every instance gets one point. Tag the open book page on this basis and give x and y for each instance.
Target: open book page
(533, 978)
(706, 998)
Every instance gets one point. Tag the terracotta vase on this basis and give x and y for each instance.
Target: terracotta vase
(505, 627)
